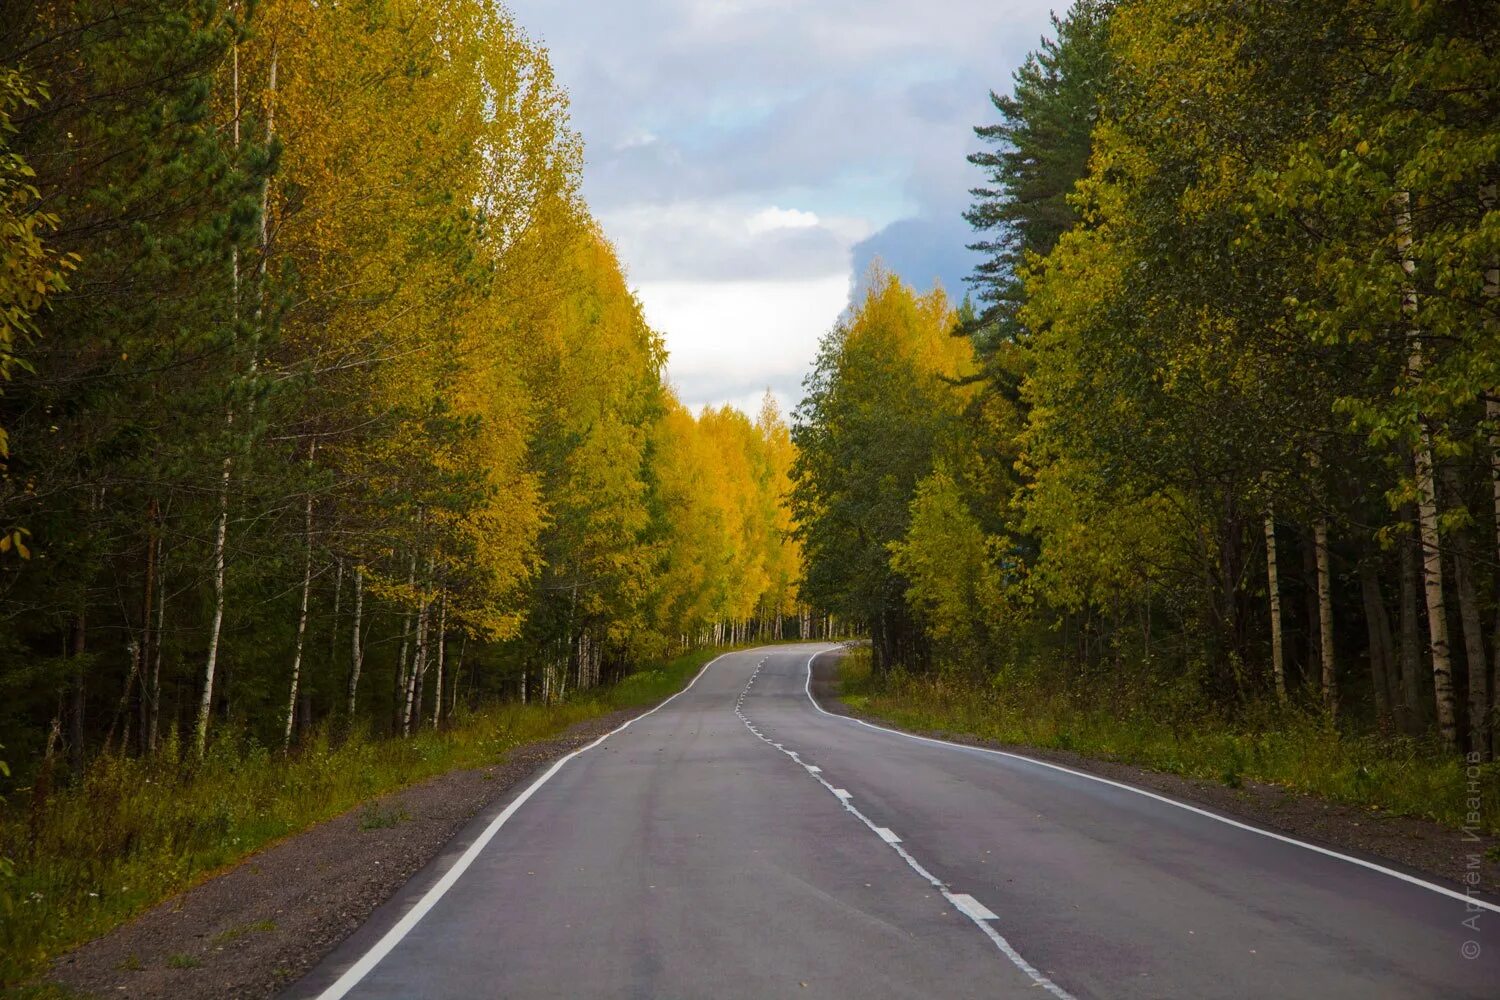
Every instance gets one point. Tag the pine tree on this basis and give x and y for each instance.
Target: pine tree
(1041, 149)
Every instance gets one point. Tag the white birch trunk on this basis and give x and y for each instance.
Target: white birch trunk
(1325, 617)
(1427, 514)
(1278, 661)
(291, 705)
(437, 701)
(265, 186)
(419, 664)
(583, 661)
(221, 532)
(356, 658)
(221, 529)
(401, 665)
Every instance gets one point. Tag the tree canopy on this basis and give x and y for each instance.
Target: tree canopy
(1238, 430)
(329, 402)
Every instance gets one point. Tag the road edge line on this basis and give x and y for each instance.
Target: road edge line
(1327, 852)
(388, 941)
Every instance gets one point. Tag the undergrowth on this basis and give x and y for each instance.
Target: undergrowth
(1294, 748)
(136, 830)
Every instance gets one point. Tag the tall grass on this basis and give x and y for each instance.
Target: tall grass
(136, 830)
(1290, 747)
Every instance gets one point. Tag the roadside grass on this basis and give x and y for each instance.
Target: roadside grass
(1289, 747)
(235, 933)
(372, 817)
(134, 831)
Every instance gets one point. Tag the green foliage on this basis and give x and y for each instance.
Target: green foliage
(1418, 123)
(879, 410)
(954, 580)
(30, 272)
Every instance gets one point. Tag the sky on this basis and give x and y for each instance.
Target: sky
(750, 158)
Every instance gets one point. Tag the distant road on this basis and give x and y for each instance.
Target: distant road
(739, 842)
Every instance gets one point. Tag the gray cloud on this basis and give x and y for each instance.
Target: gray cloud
(755, 96)
(920, 250)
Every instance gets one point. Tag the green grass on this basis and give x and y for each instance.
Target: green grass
(372, 817)
(137, 830)
(1289, 747)
(235, 933)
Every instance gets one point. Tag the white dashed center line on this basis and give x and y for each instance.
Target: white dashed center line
(962, 902)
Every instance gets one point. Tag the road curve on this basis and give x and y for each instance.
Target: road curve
(740, 842)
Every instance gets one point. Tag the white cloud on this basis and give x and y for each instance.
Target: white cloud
(729, 341)
(725, 240)
(635, 140)
(771, 218)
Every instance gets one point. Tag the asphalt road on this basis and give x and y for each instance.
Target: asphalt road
(739, 842)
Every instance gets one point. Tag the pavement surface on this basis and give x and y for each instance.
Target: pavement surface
(741, 842)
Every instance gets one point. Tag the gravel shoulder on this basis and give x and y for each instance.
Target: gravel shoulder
(1418, 846)
(255, 928)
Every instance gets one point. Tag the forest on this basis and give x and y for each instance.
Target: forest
(336, 450)
(326, 402)
(1215, 451)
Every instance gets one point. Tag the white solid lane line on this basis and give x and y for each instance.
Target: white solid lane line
(1473, 900)
(970, 907)
(392, 937)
